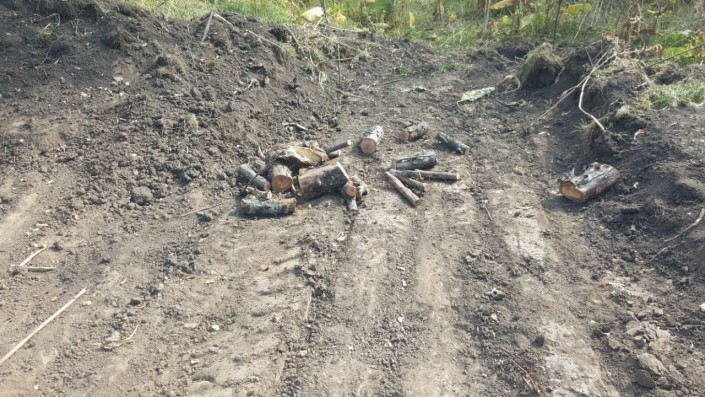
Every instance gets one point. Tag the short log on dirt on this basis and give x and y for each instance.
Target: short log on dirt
(322, 180)
(349, 189)
(414, 132)
(595, 180)
(271, 207)
(338, 146)
(421, 161)
(297, 156)
(453, 144)
(370, 142)
(414, 184)
(249, 176)
(412, 198)
(334, 155)
(437, 175)
(361, 186)
(281, 178)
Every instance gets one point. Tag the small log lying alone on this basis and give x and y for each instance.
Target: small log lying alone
(595, 180)
(420, 174)
(322, 180)
(422, 161)
(248, 175)
(334, 154)
(280, 176)
(361, 186)
(271, 207)
(414, 132)
(338, 146)
(412, 198)
(414, 184)
(453, 144)
(370, 142)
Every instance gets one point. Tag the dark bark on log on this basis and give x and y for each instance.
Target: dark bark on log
(322, 180)
(296, 157)
(453, 144)
(280, 176)
(250, 176)
(251, 206)
(437, 175)
(334, 155)
(414, 184)
(338, 146)
(595, 180)
(351, 203)
(412, 198)
(369, 143)
(414, 132)
(422, 161)
(361, 186)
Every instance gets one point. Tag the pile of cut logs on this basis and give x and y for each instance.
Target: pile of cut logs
(303, 170)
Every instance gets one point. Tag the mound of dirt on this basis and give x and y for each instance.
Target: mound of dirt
(121, 137)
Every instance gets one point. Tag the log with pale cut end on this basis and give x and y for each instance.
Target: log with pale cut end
(371, 141)
(322, 180)
(338, 146)
(414, 132)
(253, 191)
(334, 155)
(413, 183)
(349, 189)
(421, 161)
(297, 156)
(412, 198)
(351, 202)
(272, 207)
(361, 186)
(595, 180)
(420, 174)
(249, 176)
(280, 177)
(453, 144)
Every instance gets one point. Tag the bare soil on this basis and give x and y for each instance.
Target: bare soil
(120, 138)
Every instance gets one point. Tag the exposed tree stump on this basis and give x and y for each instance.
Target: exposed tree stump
(370, 142)
(453, 144)
(272, 207)
(595, 180)
(322, 180)
(412, 198)
(437, 175)
(414, 132)
(422, 161)
(338, 146)
(281, 178)
(250, 176)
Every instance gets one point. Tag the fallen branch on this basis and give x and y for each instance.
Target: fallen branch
(29, 258)
(412, 198)
(40, 269)
(39, 328)
(580, 103)
(687, 229)
(208, 24)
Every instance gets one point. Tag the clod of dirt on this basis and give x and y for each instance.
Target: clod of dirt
(118, 39)
(644, 379)
(687, 189)
(650, 363)
(141, 195)
(541, 67)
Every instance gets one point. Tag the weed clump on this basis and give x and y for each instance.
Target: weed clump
(541, 67)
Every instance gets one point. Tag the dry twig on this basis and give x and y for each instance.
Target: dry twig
(687, 229)
(208, 24)
(29, 258)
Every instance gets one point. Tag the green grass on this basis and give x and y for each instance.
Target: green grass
(265, 10)
(678, 94)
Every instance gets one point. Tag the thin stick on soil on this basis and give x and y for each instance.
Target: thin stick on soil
(39, 328)
(208, 24)
(580, 103)
(687, 229)
(29, 258)
(40, 269)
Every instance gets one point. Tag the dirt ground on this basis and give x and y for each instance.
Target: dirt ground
(121, 137)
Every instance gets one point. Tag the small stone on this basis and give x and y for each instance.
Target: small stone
(671, 321)
(642, 315)
(658, 312)
(634, 328)
(141, 195)
(496, 294)
(613, 343)
(191, 325)
(135, 300)
(521, 341)
(644, 379)
(639, 341)
(215, 328)
(702, 308)
(539, 341)
(652, 364)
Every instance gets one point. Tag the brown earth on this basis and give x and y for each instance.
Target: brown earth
(118, 126)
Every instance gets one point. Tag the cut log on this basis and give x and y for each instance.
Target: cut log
(338, 146)
(250, 177)
(453, 144)
(412, 198)
(351, 202)
(371, 141)
(414, 184)
(252, 206)
(595, 180)
(297, 156)
(437, 175)
(334, 155)
(361, 186)
(422, 161)
(414, 132)
(252, 191)
(322, 180)
(349, 189)
(280, 175)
